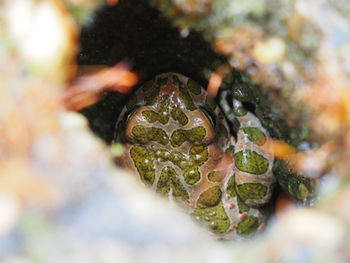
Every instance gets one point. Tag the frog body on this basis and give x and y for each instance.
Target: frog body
(177, 141)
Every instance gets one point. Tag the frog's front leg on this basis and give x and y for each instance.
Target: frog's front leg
(253, 155)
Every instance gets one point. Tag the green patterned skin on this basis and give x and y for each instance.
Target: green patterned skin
(193, 135)
(253, 159)
(169, 181)
(251, 162)
(255, 135)
(176, 140)
(248, 226)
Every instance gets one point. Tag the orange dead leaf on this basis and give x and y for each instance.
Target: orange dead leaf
(86, 89)
(281, 149)
(112, 2)
(216, 78)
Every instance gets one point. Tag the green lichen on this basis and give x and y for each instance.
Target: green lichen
(255, 135)
(251, 162)
(178, 115)
(248, 226)
(143, 162)
(144, 134)
(196, 134)
(251, 191)
(214, 218)
(169, 180)
(210, 197)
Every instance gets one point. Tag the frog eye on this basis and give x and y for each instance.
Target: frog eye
(211, 116)
(130, 112)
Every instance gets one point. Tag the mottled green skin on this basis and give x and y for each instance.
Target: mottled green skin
(239, 111)
(169, 180)
(186, 98)
(178, 137)
(214, 218)
(162, 115)
(300, 187)
(214, 177)
(190, 165)
(150, 99)
(143, 163)
(179, 115)
(146, 134)
(193, 87)
(255, 135)
(251, 162)
(251, 191)
(175, 137)
(210, 103)
(248, 226)
(210, 197)
(230, 189)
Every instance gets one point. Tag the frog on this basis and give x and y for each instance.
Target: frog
(177, 142)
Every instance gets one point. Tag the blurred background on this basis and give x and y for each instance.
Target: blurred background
(66, 69)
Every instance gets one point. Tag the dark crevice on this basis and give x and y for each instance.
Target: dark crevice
(135, 31)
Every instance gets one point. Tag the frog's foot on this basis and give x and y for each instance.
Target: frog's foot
(253, 155)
